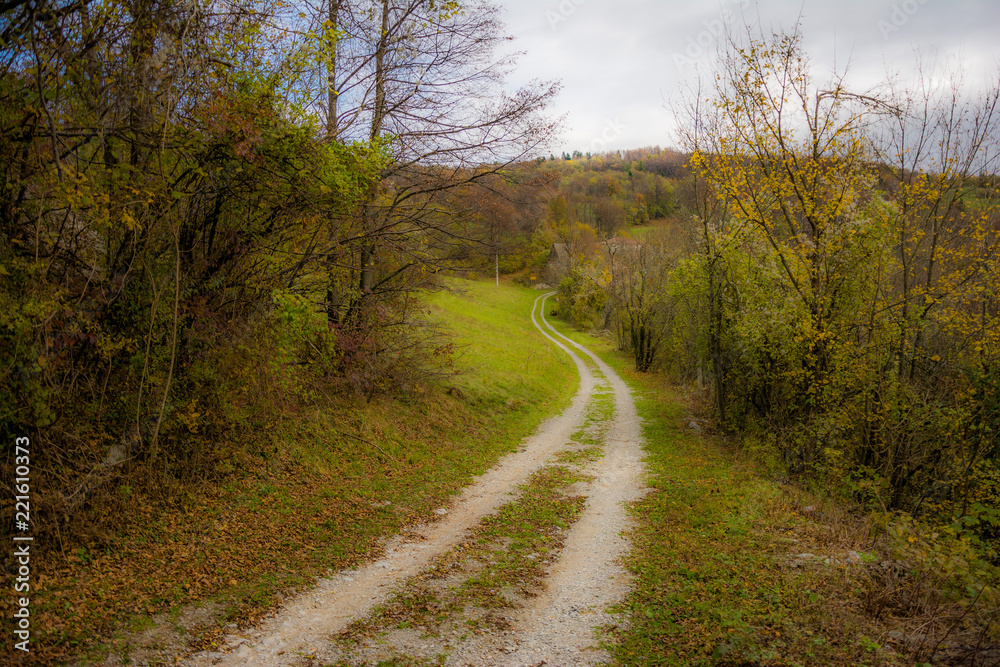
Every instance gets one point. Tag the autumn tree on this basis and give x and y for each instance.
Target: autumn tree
(932, 146)
(501, 213)
(847, 254)
(160, 192)
(637, 284)
(713, 239)
(939, 308)
(426, 81)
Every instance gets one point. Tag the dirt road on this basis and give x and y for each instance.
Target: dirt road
(553, 621)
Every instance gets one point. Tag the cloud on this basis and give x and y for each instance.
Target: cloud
(620, 60)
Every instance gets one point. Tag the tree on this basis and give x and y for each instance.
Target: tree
(933, 145)
(848, 265)
(424, 80)
(159, 190)
(500, 212)
(636, 278)
(714, 236)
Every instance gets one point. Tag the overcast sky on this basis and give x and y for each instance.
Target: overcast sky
(620, 61)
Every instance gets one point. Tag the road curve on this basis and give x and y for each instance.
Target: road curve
(557, 629)
(303, 626)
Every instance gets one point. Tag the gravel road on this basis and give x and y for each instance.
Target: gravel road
(556, 628)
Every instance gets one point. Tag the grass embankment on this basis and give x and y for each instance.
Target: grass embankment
(731, 568)
(313, 494)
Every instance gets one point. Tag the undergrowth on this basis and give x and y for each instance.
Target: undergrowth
(734, 568)
(312, 491)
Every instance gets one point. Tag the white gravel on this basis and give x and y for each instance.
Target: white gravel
(558, 626)
(557, 630)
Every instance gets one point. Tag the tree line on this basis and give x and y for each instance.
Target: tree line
(832, 286)
(213, 213)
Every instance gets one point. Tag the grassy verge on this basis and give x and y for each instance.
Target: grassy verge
(470, 589)
(731, 568)
(312, 495)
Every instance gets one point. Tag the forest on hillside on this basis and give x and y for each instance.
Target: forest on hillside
(212, 215)
(829, 280)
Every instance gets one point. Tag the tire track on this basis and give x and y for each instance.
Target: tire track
(303, 626)
(558, 629)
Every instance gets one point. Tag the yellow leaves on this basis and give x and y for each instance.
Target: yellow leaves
(131, 224)
(189, 417)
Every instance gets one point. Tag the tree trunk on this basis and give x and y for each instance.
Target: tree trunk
(715, 340)
(333, 296)
(368, 250)
(332, 125)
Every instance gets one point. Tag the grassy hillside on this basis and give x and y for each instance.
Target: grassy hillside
(505, 361)
(310, 495)
(734, 569)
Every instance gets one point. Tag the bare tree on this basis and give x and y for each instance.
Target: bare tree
(699, 130)
(933, 145)
(425, 82)
(638, 294)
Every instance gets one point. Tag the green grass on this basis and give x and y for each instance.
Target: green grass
(710, 556)
(641, 232)
(505, 361)
(531, 530)
(313, 493)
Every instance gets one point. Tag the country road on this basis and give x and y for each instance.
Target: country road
(553, 625)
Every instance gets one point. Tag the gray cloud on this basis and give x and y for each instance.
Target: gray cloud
(620, 60)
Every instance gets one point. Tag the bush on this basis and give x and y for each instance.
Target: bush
(582, 301)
